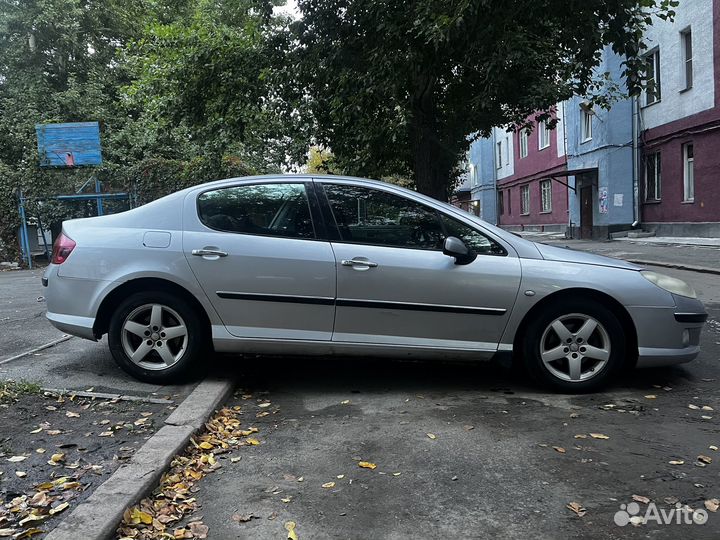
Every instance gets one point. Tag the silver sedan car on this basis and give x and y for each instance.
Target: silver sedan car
(333, 265)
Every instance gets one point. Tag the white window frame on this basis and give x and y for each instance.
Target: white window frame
(524, 140)
(507, 150)
(525, 200)
(499, 154)
(543, 135)
(687, 58)
(654, 82)
(656, 179)
(688, 173)
(546, 196)
(586, 124)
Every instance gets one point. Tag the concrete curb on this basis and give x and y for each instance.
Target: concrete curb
(99, 515)
(678, 266)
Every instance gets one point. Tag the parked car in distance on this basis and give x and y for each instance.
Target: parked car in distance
(334, 265)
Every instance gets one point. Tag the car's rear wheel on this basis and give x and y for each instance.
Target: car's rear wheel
(575, 346)
(156, 337)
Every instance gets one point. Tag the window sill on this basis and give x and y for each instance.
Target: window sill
(686, 89)
(650, 104)
(586, 140)
(543, 147)
(546, 212)
(526, 214)
(653, 201)
(688, 202)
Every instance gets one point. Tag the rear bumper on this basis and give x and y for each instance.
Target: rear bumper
(73, 325)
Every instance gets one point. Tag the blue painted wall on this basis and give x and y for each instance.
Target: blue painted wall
(482, 154)
(610, 151)
(63, 145)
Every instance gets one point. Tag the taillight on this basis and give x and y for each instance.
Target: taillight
(62, 248)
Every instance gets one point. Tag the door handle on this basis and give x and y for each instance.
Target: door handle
(212, 252)
(358, 262)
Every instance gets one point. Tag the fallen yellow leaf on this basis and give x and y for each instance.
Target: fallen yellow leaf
(676, 462)
(599, 436)
(328, 485)
(577, 508)
(432, 436)
(367, 465)
(559, 449)
(290, 528)
(59, 508)
(206, 445)
(254, 442)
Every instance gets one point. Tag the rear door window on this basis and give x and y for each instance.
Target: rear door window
(261, 209)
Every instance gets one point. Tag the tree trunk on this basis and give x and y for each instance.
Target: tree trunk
(432, 163)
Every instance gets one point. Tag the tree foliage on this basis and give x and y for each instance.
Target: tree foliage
(399, 86)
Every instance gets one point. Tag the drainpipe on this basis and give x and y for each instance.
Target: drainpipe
(495, 169)
(635, 159)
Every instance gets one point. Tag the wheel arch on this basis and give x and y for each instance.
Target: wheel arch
(631, 344)
(145, 284)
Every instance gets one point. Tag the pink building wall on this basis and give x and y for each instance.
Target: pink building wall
(703, 130)
(536, 166)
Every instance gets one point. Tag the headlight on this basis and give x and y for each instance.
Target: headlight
(670, 284)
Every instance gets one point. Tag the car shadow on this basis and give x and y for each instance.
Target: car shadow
(378, 375)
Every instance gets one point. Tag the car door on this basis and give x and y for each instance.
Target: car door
(396, 287)
(256, 251)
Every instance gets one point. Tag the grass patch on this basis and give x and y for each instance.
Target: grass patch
(10, 391)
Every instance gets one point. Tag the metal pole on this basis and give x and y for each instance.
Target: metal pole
(42, 233)
(24, 232)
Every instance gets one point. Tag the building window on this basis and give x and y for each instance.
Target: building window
(652, 85)
(500, 202)
(524, 136)
(499, 154)
(507, 150)
(543, 135)
(586, 120)
(689, 173)
(686, 38)
(474, 180)
(509, 199)
(525, 200)
(546, 195)
(653, 190)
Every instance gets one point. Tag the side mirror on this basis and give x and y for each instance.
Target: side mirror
(454, 247)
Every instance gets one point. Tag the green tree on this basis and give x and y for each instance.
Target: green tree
(207, 83)
(397, 87)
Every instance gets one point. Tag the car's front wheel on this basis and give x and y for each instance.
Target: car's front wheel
(156, 337)
(575, 346)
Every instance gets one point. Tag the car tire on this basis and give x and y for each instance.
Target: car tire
(157, 337)
(575, 346)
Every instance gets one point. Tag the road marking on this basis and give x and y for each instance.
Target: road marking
(37, 349)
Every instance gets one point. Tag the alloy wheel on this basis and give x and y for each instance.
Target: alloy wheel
(575, 347)
(154, 336)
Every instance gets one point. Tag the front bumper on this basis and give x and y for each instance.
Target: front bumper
(668, 336)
